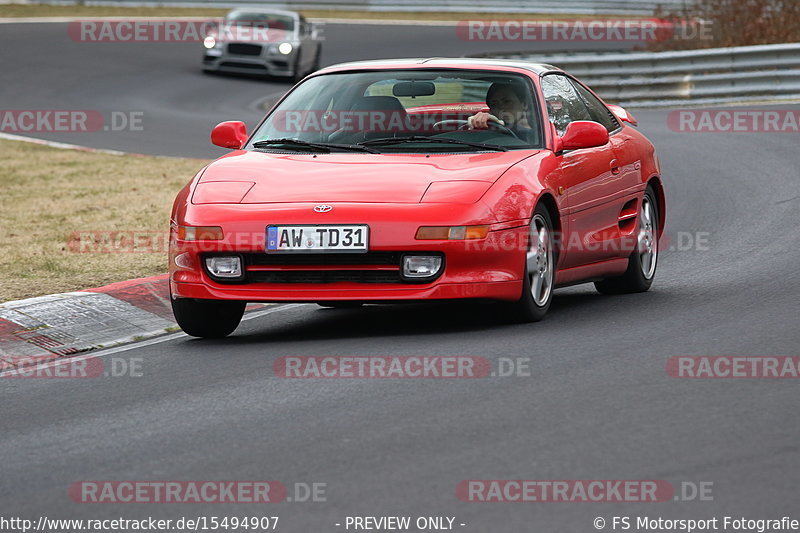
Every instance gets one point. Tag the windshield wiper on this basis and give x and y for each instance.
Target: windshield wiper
(425, 139)
(318, 146)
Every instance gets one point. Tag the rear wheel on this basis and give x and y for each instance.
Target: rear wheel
(540, 261)
(211, 319)
(644, 259)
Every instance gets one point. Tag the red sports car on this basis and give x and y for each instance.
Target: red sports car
(409, 180)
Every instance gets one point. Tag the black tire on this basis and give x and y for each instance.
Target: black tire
(297, 75)
(317, 57)
(527, 309)
(340, 305)
(209, 319)
(635, 279)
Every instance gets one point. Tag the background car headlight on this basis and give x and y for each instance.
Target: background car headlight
(209, 42)
(421, 266)
(285, 48)
(225, 266)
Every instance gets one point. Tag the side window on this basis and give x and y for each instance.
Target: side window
(563, 103)
(597, 110)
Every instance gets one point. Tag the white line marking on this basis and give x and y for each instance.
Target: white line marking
(89, 149)
(135, 345)
(63, 146)
(386, 22)
(61, 20)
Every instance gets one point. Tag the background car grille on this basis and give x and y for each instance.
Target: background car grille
(239, 65)
(244, 49)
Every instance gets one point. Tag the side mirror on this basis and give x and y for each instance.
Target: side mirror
(622, 114)
(230, 134)
(584, 134)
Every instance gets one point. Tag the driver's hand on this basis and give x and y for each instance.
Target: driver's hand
(480, 121)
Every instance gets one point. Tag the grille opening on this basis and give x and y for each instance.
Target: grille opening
(369, 258)
(370, 267)
(244, 49)
(324, 276)
(249, 66)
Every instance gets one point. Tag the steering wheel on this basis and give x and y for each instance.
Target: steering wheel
(464, 125)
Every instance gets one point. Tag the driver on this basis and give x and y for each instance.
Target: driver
(508, 106)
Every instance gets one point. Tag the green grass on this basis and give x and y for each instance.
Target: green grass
(49, 193)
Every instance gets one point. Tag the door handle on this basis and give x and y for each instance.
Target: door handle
(615, 168)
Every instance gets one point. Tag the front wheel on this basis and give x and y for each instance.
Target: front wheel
(210, 319)
(317, 60)
(540, 261)
(644, 259)
(297, 74)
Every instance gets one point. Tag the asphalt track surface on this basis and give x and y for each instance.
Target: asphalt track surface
(43, 68)
(597, 405)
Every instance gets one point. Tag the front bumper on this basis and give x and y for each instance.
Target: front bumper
(490, 268)
(508, 290)
(220, 60)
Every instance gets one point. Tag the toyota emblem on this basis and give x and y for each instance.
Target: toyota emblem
(322, 208)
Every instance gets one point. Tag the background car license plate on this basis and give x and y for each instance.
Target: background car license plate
(341, 238)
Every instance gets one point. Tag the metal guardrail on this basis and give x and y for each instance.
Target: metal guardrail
(597, 7)
(716, 75)
(554, 7)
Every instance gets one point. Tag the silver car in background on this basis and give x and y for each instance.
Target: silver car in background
(263, 41)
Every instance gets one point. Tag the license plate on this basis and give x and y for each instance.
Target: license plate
(338, 238)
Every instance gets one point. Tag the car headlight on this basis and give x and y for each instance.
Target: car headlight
(285, 48)
(225, 266)
(209, 42)
(421, 266)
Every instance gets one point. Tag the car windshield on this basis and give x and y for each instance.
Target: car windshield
(388, 109)
(270, 20)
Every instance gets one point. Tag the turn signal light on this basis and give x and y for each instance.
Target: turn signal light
(451, 233)
(200, 233)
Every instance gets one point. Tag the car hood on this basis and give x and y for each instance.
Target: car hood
(257, 177)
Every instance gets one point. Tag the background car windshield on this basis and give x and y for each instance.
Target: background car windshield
(271, 20)
(351, 108)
